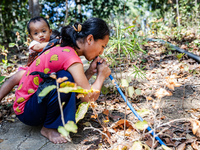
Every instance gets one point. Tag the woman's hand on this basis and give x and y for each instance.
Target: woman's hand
(103, 69)
(93, 67)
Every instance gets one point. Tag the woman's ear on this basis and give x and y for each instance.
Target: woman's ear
(90, 39)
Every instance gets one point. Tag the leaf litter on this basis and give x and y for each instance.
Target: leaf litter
(169, 100)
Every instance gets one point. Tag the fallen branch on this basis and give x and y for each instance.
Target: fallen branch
(191, 55)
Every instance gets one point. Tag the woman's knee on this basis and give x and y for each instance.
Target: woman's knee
(64, 73)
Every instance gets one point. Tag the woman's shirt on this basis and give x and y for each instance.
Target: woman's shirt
(52, 60)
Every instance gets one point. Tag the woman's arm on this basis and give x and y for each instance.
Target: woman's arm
(77, 71)
(93, 67)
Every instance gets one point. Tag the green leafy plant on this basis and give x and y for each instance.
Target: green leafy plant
(4, 52)
(125, 83)
(2, 79)
(70, 126)
(129, 90)
(123, 47)
(141, 125)
(180, 55)
(82, 110)
(125, 43)
(4, 62)
(139, 146)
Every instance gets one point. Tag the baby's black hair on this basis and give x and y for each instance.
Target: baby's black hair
(95, 26)
(54, 34)
(38, 18)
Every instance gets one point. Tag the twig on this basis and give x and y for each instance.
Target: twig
(60, 105)
(176, 120)
(61, 112)
(95, 129)
(125, 116)
(97, 116)
(153, 138)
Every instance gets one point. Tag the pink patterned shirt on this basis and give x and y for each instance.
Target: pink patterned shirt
(53, 60)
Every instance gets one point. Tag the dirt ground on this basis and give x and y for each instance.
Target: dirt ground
(170, 116)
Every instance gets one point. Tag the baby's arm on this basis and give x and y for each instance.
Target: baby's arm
(39, 46)
(9, 84)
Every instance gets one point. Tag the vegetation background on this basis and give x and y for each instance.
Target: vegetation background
(165, 19)
(146, 15)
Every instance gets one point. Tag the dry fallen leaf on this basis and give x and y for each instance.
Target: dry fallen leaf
(59, 80)
(195, 146)
(107, 138)
(137, 145)
(94, 116)
(162, 92)
(87, 124)
(93, 105)
(162, 118)
(155, 105)
(149, 98)
(195, 127)
(120, 124)
(181, 146)
(80, 95)
(166, 148)
(171, 82)
(53, 76)
(170, 86)
(1, 140)
(106, 121)
(106, 112)
(120, 147)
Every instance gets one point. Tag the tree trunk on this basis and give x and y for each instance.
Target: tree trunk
(196, 24)
(196, 10)
(66, 13)
(79, 6)
(34, 8)
(1, 21)
(178, 16)
(79, 10)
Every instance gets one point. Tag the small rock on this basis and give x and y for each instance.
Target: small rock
(13, 116)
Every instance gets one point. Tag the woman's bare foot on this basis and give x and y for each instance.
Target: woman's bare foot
(53, 135)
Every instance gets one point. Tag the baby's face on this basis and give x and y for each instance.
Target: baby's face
(40, 31)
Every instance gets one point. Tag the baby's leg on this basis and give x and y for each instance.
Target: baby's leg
(9, 84)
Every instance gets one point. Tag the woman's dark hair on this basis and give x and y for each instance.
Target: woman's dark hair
(54, 34)
(95, 26)
(35, 19)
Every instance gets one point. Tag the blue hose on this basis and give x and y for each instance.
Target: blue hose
(133, 110)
